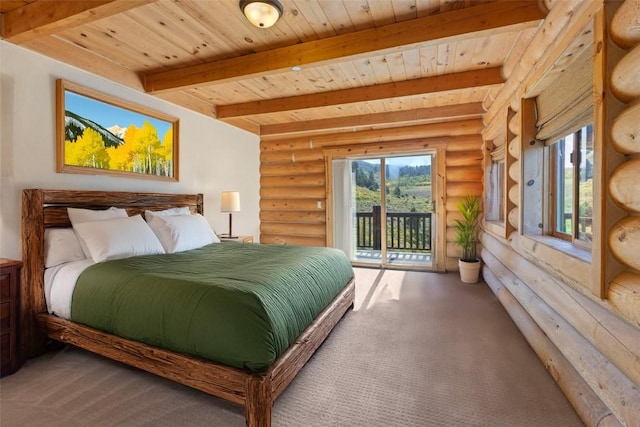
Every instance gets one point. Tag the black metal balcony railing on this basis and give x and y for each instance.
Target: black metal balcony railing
(405, 230)
(585, 223)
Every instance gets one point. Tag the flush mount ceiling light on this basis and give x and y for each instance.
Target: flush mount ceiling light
(262, 13)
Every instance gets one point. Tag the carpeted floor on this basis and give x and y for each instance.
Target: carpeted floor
(420, 349)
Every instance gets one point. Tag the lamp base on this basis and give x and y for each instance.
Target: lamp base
(229, 235)
(226, 236)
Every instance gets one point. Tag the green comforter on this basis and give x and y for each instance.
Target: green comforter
(238, 304)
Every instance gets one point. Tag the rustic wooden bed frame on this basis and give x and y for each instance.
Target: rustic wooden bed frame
(257, 392)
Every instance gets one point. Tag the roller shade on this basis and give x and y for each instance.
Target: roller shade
(498, 148)
(497, 154)
(566, 105)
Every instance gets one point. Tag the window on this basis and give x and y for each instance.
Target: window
(571, 186)
(495, 185)
(563, 212)
(494, 181)
(501, 171)
(557, 134)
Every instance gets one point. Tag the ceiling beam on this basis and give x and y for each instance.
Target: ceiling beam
(450, 26)
(245, 124)
(418, 116)
(425, 85)
(71, 54)
(43, 17)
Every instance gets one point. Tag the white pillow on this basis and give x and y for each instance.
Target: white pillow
(61, 245)
(78, 216)
(149, 215)
(118, 238)
(160, 230)
(183, 232)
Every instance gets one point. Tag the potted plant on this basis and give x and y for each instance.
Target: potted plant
(467, 237)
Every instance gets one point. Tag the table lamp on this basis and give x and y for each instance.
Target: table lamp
(230, 202)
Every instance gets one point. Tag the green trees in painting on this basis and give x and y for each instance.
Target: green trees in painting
(141, 151)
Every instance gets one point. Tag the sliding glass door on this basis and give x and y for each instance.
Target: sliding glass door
(383, 210)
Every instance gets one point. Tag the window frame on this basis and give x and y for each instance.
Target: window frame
(496, 193)
(571, 263)
(551, 160)
(552, 221)
(503, 138)
(536, 195)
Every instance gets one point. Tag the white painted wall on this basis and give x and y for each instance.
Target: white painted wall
(213, 155)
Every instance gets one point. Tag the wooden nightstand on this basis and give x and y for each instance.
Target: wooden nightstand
(241, 239)
(9, 314)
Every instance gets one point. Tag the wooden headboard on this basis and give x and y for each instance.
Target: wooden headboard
(42, 209)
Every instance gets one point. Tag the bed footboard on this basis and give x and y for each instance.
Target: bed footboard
(255, 391)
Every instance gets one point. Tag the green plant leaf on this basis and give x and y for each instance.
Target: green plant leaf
(467, 227)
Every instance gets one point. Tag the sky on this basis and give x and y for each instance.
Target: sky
(108, 115)
(403, 161)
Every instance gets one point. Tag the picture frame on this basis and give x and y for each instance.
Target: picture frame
(99, 134)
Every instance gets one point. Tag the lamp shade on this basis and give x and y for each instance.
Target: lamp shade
(262, 13)
(230, 201)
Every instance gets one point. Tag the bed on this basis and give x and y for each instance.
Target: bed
(253, 385)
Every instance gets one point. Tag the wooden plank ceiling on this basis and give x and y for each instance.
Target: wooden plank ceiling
(363, 63)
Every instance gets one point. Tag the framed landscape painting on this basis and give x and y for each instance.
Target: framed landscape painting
(100, 134)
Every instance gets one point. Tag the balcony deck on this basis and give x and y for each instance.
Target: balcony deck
(394, 258)
(408, 238)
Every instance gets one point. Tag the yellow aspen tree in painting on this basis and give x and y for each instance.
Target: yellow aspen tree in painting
(166, 150)
(88, 151)
(167, 142)
(146, 143)
(141, 151)
(121, 157)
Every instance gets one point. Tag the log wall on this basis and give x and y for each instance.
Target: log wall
(624, 185)
(580, 313)
(294, 176)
